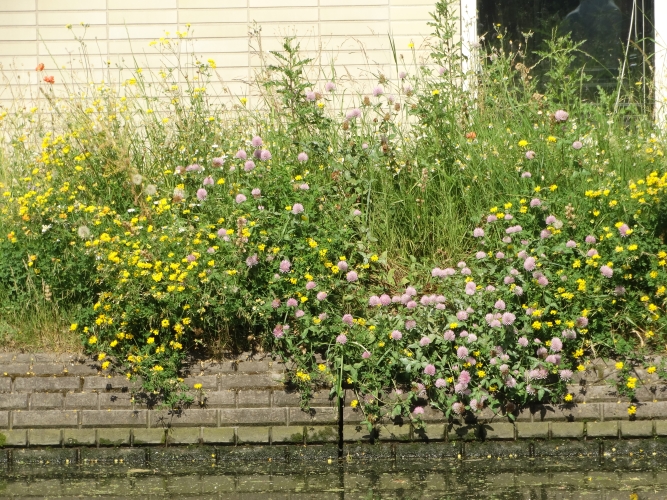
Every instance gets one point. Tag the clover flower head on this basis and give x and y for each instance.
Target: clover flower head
(341, 339)
(241, 154)
(302, 157)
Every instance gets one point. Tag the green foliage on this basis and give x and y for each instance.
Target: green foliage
(162, 224)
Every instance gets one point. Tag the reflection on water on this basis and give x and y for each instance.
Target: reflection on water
(416, 479)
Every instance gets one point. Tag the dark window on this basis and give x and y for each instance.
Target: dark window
(610, 28)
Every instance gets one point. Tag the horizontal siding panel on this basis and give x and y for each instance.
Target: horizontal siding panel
(354, 28)
(290, 15)
(212, 4)
(142, 4)
(213, 16)
(72, 17)
(69, 4)
(157, 16)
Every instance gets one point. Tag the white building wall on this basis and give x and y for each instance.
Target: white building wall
(351, 35)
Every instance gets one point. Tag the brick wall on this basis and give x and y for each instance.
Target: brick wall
(65, 400)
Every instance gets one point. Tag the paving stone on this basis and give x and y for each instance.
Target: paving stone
(322, 398)
(251, 381)
(219, 435)
(83, 370)
(283, 398)
(661, 428)
(116, 401)
(618, 411)
(14, 402)
(78, 437)
(394, 432)
(656, 411)
(14, 438)
(321, 434)
(260, 366)
(149, 436)
(636, 429)
(350, 415)
(598, 393)
(114, 418)
(250, 416)
(190, 417)
(4, 419)
(250, 398)
(114, 437)
(81, 401)
(356, 433)
(48, 368)
(116, 384)
(433, 415)
(315, 416)
(532, 430)
(46, 384)
(44, 419)
(46, 400)
(252, 435)
(287, 434)
(214, 367)
(458, 432)
(568, 412)
(567, 430)
(15, 369)
(498, 431)
(602, 429)
(208, 382)
(5, 384)
(183, 435)
(44, 437)
(220, 399)
(431, 432)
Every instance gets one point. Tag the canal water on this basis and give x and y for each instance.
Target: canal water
(628, 478)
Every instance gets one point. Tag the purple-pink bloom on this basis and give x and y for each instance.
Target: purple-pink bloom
(302, 157)
(352, 276)
(353, 113)
(500, 255)
(566, 375)
(411, 304)
(581, 322)
(374, 301)
(310, 285)
(462, 315)
(480, 255)
(449, 335)
(530, 155)
(297, 208)
(341, 339)
(385, 299)
(478, 232)
(491, 218)
(256, 193)
(347, 319)
(218, 161)
(310, 95)
(523, 342)
(208, 181)
(577, 145)
(275, 303)
(292, 302)
(623, 230)
(278, 331)
(330, 86)
(561, 115)
(265, 155)
(529, 264)
(249, 166)
(471, 287)
(535, 202)
(321, 296)
(299, 313)
(257, 141)
(366, 355)
(241, 154)
(193, 168)
(396, 335)
(240, 198)
(424, 341)
(556, 344)
(462, 352)
(464, 376)
(342, 265)
(542, 281)
(571, 244)
(508, 318)
(304, 187)
(285, 266)
(419, 410)
(378, 91)
(201, 194)
(252, 260)
(607, 271)
(500, 304)
(590, 239)
(440, 383)
(429, 370)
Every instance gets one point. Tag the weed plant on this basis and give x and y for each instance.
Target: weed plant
(460, 238)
